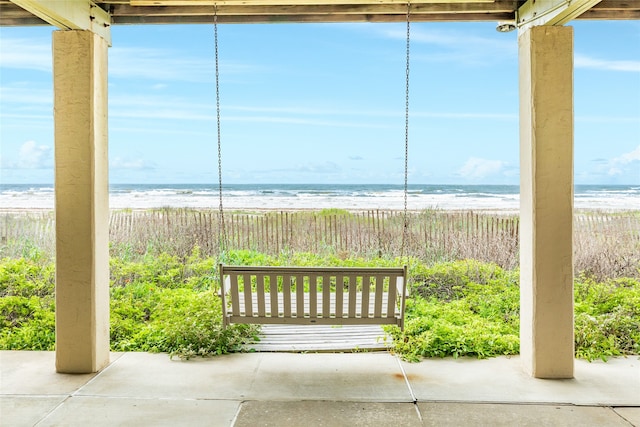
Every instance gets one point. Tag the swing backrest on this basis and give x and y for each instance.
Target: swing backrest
(313, 295)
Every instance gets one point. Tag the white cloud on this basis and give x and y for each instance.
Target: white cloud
(322, 168)
(166, 65)
(622, 169)
(607, 119)
(462, 47)
(135, 164)
(162, 108)
(33, 156)
(476, 168)
(488, 116)
(327, 169)
(464, 40)
(26, 106)
(584, 61)
(627, 162)
(29, 54)
(304, 121)
(153, 106)
(27, 93)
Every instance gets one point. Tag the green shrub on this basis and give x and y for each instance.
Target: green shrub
(462, 308)
(334, 212)
(26, 277)
(181, 322)
(190, 325)
(470, 308)
(166, 303)
(159, 269)
(246, 257)
(446, 281)
(27, 319)
(27, 323)
(607, 318)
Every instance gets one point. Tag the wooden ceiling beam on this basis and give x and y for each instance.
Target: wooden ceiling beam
(610, 15)
(329, 11)
(497, 6)
(617, 5)
(184, 3)
(614, 10)
(551, 12)
(325, 18)
(70, 15)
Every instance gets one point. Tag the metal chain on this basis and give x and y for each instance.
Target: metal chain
(222, 234)
(406, 134)
(221, 225)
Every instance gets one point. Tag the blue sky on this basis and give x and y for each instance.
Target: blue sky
(323, 103)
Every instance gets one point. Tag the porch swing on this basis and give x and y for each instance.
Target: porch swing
(312, 295)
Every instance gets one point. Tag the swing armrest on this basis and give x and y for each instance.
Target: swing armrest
(225, 283)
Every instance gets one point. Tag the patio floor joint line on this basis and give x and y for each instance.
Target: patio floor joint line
(406, 380)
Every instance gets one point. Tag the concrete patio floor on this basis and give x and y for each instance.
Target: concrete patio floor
(315, 389)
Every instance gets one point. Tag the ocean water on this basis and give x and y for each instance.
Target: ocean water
(321, 196)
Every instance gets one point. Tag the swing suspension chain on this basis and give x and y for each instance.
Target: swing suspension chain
(221, 223)
(222, 234)
(406, 135)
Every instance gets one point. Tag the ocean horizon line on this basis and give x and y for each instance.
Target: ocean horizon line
(321, 196)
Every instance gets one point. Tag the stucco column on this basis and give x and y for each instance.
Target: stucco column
(81, 201)
(546, 201)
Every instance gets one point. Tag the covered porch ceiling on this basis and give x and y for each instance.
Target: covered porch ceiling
(16, 12)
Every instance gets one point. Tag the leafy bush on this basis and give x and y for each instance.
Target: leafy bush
(159, 303)
(462, 308)
(246, 257)
(163, 302)
(447, 281)
(607, 318)
(161, 270)
(471, 308)
(435, 330)
(27, 323)
(27, 319)
(26, 277)
(334, 211)
(177, 321)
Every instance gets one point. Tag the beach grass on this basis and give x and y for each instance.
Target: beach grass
(464, 299)
(606, 244)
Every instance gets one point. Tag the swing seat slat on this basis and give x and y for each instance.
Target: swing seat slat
(313, 295)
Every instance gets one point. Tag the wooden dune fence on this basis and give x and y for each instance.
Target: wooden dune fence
(446, 234)
(369, 232)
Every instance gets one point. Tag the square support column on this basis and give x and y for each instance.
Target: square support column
(81, 201)
(546, 201)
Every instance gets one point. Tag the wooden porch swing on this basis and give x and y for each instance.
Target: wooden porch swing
(312, 295)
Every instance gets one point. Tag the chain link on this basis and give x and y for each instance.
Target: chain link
(406, 135)
(222, 234)
(221, 224)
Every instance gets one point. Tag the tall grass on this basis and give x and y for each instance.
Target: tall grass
(162, 269)
(606, 245)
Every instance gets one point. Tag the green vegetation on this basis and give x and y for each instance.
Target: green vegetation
(461, 308)
(334, 211)
(159, 303)
(607, 317)
(167, 303)
(27, 306)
